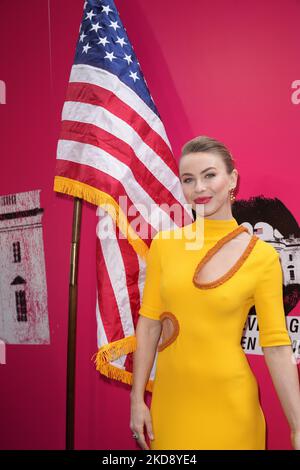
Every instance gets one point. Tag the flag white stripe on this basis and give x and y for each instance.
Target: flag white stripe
(142, 275)
(112, 258)
(101, 335)
(95, 157)
(104, 119)
(102, 339)
(103, 78)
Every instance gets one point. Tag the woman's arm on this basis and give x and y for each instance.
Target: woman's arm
(284, 373)
(147, 336)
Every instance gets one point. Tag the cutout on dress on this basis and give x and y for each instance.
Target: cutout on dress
(170, 330)
(224, 258)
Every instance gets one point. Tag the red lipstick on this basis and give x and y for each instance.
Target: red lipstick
(202, 200)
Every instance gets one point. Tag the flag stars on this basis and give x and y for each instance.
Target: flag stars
(114, 25)
(134, 76)
(110, 56)
(86, 48)
(106, 9)
(95, 27)
(90, 15)
(121, 41)
(82, 36)
(128, 59)
(103, 41)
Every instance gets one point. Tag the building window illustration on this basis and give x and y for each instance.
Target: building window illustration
(17, 252)
(290, 257)
(23, 282)
(21, 305)
(20, 296)
(8, 200)
(291, 269)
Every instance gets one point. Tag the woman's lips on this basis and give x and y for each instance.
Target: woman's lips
(202, 200)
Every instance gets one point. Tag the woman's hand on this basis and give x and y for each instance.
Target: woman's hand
(295, 439)
(140, 417)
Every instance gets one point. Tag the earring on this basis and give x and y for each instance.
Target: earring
(232, 196)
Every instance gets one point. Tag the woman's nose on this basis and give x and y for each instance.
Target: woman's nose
(200, 187)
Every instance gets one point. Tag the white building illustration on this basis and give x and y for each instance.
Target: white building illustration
(288, 249)
(23, 289)
(289, 252)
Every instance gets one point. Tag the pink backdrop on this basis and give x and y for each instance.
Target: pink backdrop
(222, 69)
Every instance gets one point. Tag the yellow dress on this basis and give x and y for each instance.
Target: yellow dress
(205, 395)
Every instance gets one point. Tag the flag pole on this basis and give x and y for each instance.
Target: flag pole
(71, 358)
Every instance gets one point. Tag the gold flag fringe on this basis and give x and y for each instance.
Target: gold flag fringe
(116, 349)
(100, 198)
(110, 352)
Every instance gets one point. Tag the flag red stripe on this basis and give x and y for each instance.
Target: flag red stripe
(131, 266)
(93, 135)
(98, 96)
(108, 306)
(102, 181)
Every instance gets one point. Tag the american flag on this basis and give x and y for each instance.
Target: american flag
(113, 151)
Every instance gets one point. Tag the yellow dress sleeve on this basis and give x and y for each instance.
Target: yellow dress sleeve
(152, 305)
(268, 299)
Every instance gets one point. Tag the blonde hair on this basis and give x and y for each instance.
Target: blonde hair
(208, 144)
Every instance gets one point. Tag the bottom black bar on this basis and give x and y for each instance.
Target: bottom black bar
(133, 459)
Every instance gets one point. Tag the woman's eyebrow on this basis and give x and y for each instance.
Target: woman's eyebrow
(191, 174)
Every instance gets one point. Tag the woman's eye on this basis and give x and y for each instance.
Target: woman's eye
(210, 174)
(188, 180)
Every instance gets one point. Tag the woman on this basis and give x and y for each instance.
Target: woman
(195, 304)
